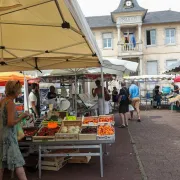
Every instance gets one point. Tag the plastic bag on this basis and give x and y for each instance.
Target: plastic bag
(131, 107)
(20, 132)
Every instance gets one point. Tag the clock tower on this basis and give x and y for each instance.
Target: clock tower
(128, 4)
(128, 18)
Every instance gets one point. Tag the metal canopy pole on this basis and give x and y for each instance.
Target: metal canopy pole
(102, 82)
(75, 93)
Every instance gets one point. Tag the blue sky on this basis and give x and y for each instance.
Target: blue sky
(104, 7)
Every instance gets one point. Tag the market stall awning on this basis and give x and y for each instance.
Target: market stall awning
(7, 76)
(45, 34)
(177, 79)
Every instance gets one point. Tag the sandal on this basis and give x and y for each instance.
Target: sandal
(122, 126)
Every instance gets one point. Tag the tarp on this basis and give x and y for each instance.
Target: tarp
(45, 34)
(16, 76)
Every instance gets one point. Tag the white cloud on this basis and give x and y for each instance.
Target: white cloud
(104, 7)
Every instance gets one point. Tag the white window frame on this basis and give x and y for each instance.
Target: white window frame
(173, 60)
(170, 38)
(157, 67)
(107, 39)
(150, 37)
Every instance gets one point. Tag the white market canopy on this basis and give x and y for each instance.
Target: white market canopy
(149, 77)
(174, 68)
(45, 34)
(120, 65)
(110, 66)
(116, 66)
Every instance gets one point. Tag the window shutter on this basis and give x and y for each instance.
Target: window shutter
(167, 36)
(152, 68)
(173, 36)
(153, 37)
(170, 62)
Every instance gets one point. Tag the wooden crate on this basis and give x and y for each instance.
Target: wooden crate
(104, 116)
(27, 137)
(87, 137)
(106, 137)
(80, 160)
(91, 123)
(56, 167)
(55, 161)
(37, 138)
(68, 136)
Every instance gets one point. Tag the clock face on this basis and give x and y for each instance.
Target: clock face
(128, 3)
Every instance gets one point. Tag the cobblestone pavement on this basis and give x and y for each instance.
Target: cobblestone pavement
(157, 139)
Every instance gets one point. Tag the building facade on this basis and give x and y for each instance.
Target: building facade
(132, 33)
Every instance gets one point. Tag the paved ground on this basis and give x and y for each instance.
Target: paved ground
(157, 139)
(121, 164)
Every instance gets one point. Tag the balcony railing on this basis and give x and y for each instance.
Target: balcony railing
(130, 47)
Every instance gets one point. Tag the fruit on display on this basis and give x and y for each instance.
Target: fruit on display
(105, 130)
(89, 130)
(47, 132)
(30, 132)
(106, 119)
(88, 120)
(70, 129)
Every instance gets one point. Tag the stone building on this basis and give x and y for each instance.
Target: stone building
(132, 33)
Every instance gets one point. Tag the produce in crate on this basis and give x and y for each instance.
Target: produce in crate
(70, 129)
(105, 130)
(106, 119)
(47, 132)
(88, 120)
(89, 130)
(30, 132)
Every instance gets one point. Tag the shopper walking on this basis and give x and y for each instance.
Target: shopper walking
(123, 105)
(10, 155)
(102, 103)
(135, 98)
(115, 97)
(158, 97)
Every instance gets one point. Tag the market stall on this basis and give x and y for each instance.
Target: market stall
(56, 134)
(58, 40)
(147, 84)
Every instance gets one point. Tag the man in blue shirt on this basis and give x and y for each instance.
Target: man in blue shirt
(135, 98)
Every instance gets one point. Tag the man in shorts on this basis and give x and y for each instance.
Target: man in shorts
(135, 98)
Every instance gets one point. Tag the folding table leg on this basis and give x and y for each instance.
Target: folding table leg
(39, 162)
(101, 160)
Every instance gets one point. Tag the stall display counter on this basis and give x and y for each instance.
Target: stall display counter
(93, 144)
